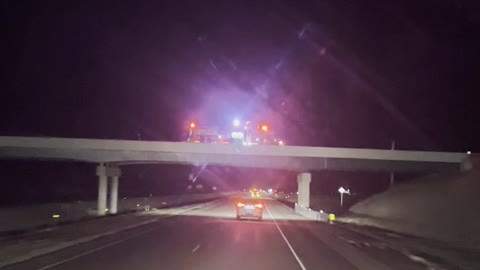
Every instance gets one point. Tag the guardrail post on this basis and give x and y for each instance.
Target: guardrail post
(466, 164)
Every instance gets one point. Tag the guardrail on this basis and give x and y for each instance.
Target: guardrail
(312, 214)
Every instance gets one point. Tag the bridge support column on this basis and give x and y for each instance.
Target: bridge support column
(102, 195)
(304, 180)
(113, 195)
(103, 173)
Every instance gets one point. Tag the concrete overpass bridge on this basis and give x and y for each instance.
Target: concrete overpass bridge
(110, 154)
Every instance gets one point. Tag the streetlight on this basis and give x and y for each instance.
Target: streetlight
(248, 133)
(342, 191)
(191, 128)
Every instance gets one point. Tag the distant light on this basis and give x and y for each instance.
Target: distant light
(150, 195)
(56, 216)
(469, 153)
(240, 204)
(138, 205)
(106, 209)
(192, 125)
(124, 198)
(237, 135)
(281, 143)
(236, 123)
(219, 136)
(264, 128)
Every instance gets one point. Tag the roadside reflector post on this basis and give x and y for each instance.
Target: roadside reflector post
(56, 218)
(331, 217)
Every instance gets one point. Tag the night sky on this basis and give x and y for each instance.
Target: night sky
(324, 73)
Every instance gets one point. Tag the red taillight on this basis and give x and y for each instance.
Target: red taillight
(240, 204)
(259, 205)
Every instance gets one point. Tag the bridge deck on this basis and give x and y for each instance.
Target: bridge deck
(287, 157)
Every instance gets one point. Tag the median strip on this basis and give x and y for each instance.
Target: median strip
(26, 249)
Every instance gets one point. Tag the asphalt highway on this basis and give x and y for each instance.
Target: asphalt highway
(210, 237)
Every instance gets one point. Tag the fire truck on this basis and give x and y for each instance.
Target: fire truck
(197, 134)
(246, 133)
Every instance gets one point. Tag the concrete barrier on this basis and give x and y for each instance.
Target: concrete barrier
(311, 214)
(22, 218)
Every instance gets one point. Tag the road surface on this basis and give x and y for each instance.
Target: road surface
(211, 238)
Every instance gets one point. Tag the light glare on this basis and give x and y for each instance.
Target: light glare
(236, 123)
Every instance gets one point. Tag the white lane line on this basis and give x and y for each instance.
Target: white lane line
(209, 205)
(95, 250)
(286, 241)
(115, 242)
(195, 248)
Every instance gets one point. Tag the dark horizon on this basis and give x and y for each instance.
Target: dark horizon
(330, 73)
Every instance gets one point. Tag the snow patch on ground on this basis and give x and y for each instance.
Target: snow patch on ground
(431, 219)
(440, 207)
(429, 265)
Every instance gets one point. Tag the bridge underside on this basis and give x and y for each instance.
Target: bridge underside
(301, 164)
(110, 154)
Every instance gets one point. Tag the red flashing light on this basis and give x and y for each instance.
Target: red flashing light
(264, 128)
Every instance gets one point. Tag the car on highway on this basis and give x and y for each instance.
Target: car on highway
(249, 208)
